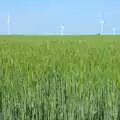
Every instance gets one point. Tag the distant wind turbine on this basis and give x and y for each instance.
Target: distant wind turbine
(114, 31)
(8, 25)
(62, 29)
(102, 23)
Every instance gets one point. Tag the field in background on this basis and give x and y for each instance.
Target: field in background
(60, 77)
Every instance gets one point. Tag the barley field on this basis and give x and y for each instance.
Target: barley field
(60, 77)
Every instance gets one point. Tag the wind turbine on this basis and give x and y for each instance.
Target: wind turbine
(8, 24)
(114, 31)
(62, 29)
(102, 23)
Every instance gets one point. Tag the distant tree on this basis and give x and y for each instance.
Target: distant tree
(98, 34)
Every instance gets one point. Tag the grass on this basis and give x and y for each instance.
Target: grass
(60, 77)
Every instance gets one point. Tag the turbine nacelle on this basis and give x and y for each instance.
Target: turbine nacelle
(102, 22)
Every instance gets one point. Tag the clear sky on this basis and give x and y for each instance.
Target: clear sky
(46, 16)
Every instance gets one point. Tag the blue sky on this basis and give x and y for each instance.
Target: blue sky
(46, 16)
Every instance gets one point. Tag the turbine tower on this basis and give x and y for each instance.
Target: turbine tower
(62, 29)
(101, 27)
(8, 25)
(102, 23)
(114, 31)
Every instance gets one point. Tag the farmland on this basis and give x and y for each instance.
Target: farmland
(60, 77)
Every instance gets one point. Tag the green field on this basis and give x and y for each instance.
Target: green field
(60, 77)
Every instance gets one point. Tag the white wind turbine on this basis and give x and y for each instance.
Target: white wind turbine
(8, 25)
(62, 27)
(113, 31)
